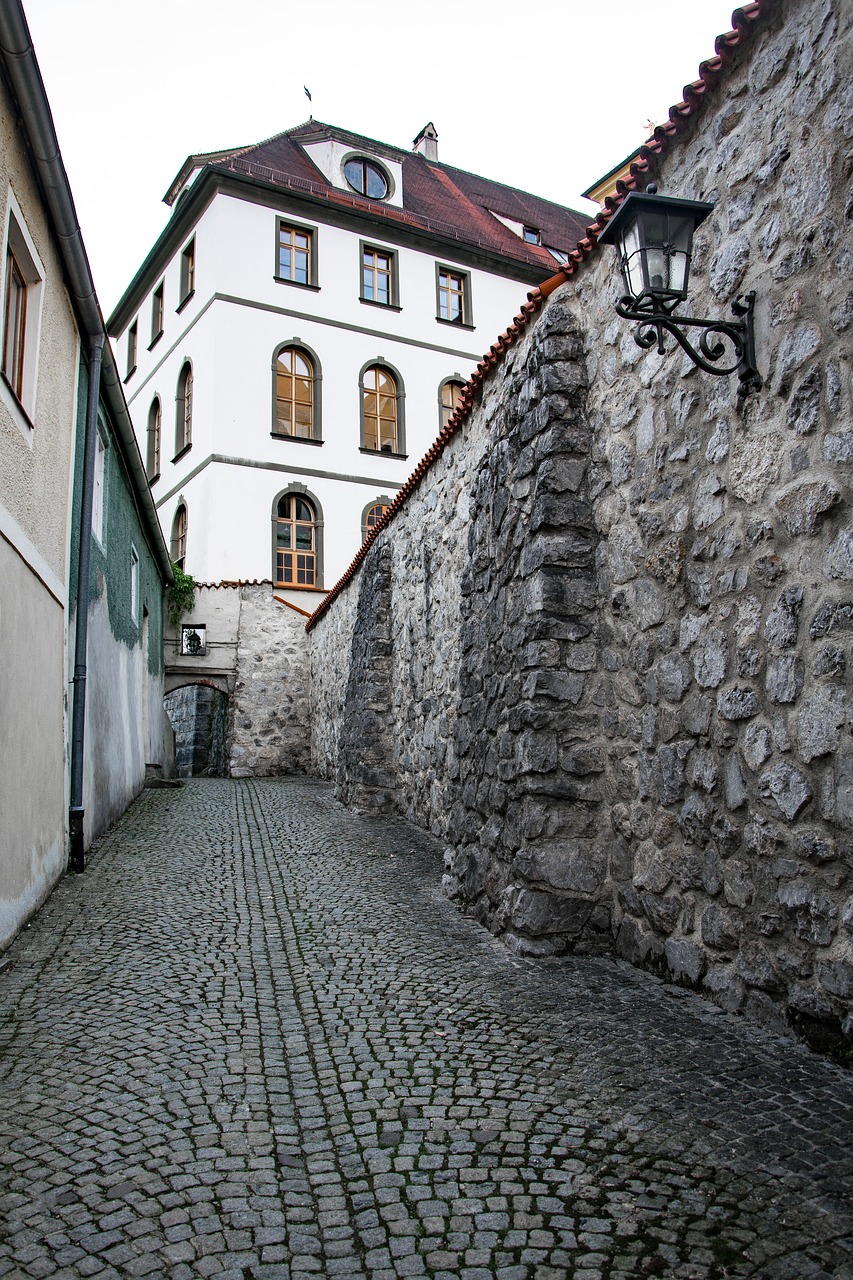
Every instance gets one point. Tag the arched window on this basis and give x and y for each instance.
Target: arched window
(450, 398)
(155, 424)
(381, 411)
(373, 513)
(296, 395)
(184, 410)
(296, 542)
(178, 546)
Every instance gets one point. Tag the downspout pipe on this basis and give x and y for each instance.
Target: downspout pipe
(76, 812)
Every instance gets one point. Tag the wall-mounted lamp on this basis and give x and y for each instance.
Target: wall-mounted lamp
(653, 236)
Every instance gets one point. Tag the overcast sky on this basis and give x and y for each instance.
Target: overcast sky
(544, 96)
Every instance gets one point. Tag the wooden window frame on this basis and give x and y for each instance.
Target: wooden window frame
(446, 411)
(158, 313)
(367, 249)
(188, 270)
(23, 297)
(297, 229)
(382, 501)
(178, 537)
(300, 349)
(184, 411)
(14, 324)
(445, 293)
(371, 368)
(132, 348)
(154, 440)
(366, 163)
(313, 569)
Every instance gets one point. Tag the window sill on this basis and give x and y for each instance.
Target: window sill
(183, 302)
(154, 479)
(455, 324)
(18, 403)
(153, 343)
(181, 452)
(281, 435)
(297, 586)
(297, 284)
(129, 375)
(386, 306)
(382, 453)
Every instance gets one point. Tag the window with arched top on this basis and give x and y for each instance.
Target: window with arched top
(373, 513)
(155, 426)
(297, 542)
(184, 410)
(297, 394)
(382, 426)
(178, 544)
(450, 398)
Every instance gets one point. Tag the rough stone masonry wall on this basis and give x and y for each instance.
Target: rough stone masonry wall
(268, 717)
(621, 617)
(726, 561)
(490, 721)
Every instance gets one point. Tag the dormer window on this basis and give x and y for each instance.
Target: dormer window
(366, 178)
(531, 235)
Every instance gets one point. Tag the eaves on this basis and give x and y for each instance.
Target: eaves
(214, 179)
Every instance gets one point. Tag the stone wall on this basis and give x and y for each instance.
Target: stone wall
(268, 725)
(622, 602)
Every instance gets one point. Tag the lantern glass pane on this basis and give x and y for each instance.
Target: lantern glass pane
(632, 263)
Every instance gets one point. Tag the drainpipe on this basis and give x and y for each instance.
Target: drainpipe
(78, 722)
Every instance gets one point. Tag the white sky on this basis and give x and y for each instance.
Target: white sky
(544, 96)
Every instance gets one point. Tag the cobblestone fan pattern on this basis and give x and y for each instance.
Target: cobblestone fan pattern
(256, 1041)
(622, 602)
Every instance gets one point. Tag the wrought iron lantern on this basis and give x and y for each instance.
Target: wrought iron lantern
(653, 236)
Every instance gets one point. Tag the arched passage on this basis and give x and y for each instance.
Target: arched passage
(198, 714)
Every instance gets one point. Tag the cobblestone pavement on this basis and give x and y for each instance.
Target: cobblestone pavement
(255, 1041)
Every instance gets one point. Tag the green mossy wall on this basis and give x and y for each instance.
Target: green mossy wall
(110, 564)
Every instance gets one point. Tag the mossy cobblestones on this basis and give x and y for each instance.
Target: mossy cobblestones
(255, 1041)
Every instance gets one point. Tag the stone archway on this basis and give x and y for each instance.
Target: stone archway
(198, 714)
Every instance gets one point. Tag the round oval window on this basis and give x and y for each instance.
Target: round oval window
(366, 178)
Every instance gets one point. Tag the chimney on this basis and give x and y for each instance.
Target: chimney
(426, 143)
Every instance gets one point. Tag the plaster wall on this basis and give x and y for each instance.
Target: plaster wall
(37, 454)
(623, 694)
(32, 776)
(36, 464)
(232, 341)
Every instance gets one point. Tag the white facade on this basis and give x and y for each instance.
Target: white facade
(231, 329)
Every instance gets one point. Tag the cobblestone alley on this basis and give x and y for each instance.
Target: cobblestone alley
(255, 1041)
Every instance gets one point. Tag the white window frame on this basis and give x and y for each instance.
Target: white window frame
(134, 584)
(17, 237)
(99, 487)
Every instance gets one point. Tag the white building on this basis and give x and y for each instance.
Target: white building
(299, 331)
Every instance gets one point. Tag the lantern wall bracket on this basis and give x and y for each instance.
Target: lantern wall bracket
(654, 318)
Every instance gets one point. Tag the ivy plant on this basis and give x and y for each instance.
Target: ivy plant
(180, 597)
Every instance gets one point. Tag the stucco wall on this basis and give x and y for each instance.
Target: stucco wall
(624, 694)
(35, 477)
(32, 776)
(125, 718)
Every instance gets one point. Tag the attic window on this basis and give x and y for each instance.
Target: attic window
(366, 178)
(531, 235)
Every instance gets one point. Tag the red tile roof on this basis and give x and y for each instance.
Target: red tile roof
(744, 23)
(437, 197)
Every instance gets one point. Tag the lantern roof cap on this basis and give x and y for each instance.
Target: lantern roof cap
(636, 201)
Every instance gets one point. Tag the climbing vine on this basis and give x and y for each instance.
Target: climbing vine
(180, 597)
